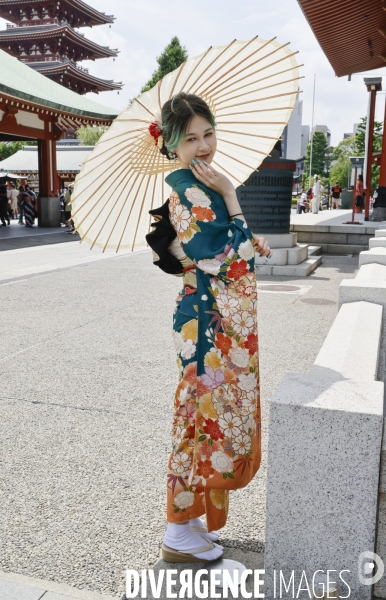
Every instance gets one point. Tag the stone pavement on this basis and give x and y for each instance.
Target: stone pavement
(87, 385)
(14, 586)
(28, 262)
(325, 217)
(20, 236)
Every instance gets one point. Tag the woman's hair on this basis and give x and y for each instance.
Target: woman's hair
(360, 177)
(21, 188)
(177, 113)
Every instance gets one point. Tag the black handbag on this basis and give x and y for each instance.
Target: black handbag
(359, 201)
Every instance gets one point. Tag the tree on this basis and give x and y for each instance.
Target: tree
(360, 140)
(90, 135)
(171, 58)
(319, 149)
(341, 169)
(360, 137)
(9, 148)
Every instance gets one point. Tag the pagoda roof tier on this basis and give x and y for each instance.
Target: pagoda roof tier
(61, 39)
(25, 89)
(74, 78)
(75, 12)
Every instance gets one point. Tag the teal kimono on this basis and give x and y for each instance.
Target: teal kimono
(216, 427)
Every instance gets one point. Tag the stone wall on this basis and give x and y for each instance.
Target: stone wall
(326, 487)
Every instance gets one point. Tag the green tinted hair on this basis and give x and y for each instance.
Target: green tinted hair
(177, 113)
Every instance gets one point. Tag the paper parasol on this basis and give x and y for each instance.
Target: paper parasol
(251, 88)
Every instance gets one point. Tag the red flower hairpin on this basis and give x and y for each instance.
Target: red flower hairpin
(155, 131)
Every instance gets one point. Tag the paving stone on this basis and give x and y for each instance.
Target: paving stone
(297, 254)
(377, 242)
(371, 272)
(375, 255)
(313, 228)
(343, 248)
(313, 250)
(349, 229)
(358, 239)
(302, 270)
(16, 591)
(280, 240)
(263, 270)
(279, 257)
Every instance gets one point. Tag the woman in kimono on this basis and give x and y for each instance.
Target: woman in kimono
(216, 432)
(27, 203)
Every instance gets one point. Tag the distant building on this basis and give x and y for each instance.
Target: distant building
(292, 134)
(355, 128)
(325, 130)
(305, 139)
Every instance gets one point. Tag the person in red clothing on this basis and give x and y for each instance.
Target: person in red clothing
(336, 192)
(359, 194)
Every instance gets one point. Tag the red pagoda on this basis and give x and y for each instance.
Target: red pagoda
(43, 34)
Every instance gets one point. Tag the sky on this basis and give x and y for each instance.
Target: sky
(144, 27)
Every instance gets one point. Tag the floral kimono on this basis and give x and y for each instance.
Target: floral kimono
(216, 427)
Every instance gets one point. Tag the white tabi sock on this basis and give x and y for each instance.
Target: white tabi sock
(181, 537)
(212, 536)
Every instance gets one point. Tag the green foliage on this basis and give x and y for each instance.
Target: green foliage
(171, 58)
(7, 149)
(89, 136)
(341, 170)
(355, 146)
(360, 140)
(328, 159)
(319, 161)
(360, 137)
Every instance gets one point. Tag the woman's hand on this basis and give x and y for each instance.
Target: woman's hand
(212, 179)
(262, 247)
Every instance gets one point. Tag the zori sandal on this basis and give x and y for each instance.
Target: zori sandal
(213, 536)
(176, 556)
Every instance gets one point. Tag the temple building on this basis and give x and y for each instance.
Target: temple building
(43, 35)
(34, 108)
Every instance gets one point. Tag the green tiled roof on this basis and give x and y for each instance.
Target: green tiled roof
(19, 80)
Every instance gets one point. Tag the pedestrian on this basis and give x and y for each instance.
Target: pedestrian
(30, 192)
(4, 216)
(13, 198)
(61, 200)
(302, 203)
(359, 203)
(27, 203)
(336, 193)
(216, 429)
(9, 210)
(317, 193)
(20, 204)
(67, 209)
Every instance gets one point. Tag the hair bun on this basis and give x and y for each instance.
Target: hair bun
(165, 151)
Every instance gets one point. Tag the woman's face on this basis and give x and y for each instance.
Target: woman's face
(199, 141)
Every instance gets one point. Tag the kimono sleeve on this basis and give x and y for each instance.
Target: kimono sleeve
(217, 245)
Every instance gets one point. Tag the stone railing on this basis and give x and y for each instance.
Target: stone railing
(325, 454)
